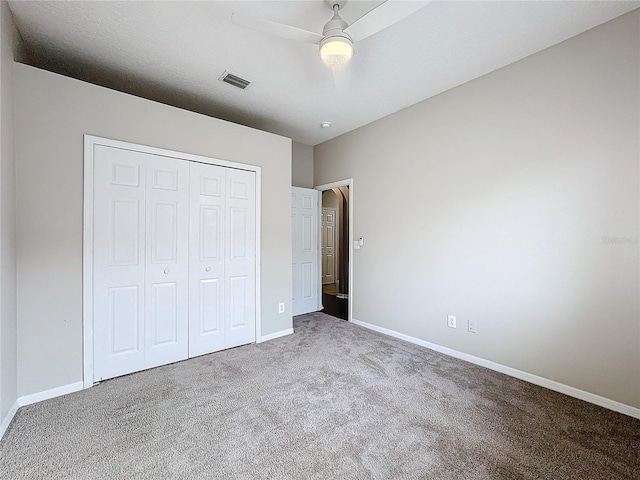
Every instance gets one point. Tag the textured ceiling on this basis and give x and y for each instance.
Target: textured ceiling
(174, 52)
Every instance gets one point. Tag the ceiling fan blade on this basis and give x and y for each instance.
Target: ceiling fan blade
(383, 16)
(277, 29)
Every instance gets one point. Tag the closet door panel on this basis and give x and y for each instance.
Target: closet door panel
(118, 261)
(173, 260)
(206, 259)
(167, 272)
(240, 265)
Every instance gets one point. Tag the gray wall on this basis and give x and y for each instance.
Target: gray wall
(301, 165)
(9, 41)
(52, 113)
(499, 201)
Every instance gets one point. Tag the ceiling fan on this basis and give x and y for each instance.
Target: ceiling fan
(336, 41)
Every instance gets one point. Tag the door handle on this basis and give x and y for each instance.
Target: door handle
(207, 269)
(166, 270)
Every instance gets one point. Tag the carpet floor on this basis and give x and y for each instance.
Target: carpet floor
(331, 401)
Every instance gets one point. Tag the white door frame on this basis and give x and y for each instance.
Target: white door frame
(329, 186)
(87, 234)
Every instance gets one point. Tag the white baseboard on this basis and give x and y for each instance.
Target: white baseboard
(37, 397)
(7, 420)
(51, 393)
(527, 377)
(272, 336)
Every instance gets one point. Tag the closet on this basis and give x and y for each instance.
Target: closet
(174, 259)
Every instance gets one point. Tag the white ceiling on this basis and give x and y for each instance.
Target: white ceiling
(174, 52)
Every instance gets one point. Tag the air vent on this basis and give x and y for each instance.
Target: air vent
(234, 80)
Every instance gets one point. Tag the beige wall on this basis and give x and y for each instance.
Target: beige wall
(52, 114)
(330, 199)
(9, 41)
(301, 165)
(500, 200)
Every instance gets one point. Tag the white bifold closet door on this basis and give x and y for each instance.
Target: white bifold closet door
(173, 260)
(141, 210)
(119, 262)
(167, 261)
(221, 259)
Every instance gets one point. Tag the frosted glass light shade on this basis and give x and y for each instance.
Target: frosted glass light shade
(336, 50)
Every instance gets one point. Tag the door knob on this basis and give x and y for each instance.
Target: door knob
(207, 269)
(166, 270)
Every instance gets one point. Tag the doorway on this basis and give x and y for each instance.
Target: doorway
(335, 251)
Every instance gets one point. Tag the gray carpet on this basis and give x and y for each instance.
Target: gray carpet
(333, 400)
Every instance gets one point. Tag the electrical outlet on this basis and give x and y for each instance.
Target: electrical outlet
(451, 321)
(472, 326)
(281, 308)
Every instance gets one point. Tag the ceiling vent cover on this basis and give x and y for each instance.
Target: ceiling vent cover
(234, 80)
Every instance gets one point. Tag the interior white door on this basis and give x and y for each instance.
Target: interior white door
(329, 241)
(118, 261)
(206, 259)
(304, 230)
(167, 265)
(240, 261)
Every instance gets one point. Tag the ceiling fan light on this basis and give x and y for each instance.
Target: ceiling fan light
(336, 50)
